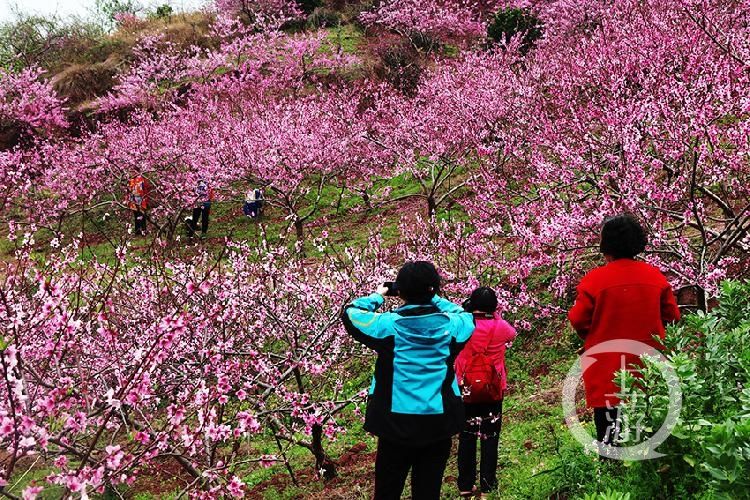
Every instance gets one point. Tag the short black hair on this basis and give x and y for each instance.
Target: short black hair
(622, 237)
(418, 282)
(482, 299)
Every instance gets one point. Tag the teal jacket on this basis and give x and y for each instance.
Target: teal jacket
(413, 397)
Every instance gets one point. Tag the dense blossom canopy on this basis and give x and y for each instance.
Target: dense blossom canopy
(114, 366)
(27, 102)
(441, 18)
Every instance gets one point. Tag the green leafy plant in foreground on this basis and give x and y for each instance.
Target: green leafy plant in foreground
(608, 495)
(708, 452)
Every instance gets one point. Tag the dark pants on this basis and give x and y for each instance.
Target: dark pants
(201, 213)
(251, 209)
(427, 464)
(488, 433)
(607, 427)
(140, 222)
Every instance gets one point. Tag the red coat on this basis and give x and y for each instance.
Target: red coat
(138, 193)
(625, 299)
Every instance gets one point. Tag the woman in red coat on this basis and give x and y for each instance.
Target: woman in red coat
(625, 299)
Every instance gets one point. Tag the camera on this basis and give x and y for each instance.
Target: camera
(392, 289)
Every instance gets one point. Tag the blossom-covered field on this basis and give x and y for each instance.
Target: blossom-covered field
(490, 137)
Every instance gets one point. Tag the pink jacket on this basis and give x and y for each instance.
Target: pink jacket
(500, 333)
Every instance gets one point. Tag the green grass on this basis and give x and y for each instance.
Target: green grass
(35, 477)
(341, 214)
(346, 37)
(538, 458)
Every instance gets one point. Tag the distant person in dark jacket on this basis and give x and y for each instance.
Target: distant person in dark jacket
(204, 196)
(482, 360)
(625, 299)
(414, 405)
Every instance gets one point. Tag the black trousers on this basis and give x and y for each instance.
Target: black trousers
(201, 213)
(483, 423)
(140, 222)
(607, 427)
(427, 464)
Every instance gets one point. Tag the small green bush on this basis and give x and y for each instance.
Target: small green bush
(510, 21)
(608, 495)
(163, 11)
(323, 18)
(709, 449)
(308, 6)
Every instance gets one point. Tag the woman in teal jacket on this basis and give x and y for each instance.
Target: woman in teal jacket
(414, 404)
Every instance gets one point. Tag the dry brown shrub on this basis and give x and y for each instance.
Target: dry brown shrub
(79, 83)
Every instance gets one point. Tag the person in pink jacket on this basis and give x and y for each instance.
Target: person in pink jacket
(480, 372)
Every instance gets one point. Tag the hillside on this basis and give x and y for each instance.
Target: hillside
(491, 138)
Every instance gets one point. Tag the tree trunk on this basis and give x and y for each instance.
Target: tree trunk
(299, 231)
(366, 200)
(431, 207)
(341, 196)
(323, 465)
(701, 299)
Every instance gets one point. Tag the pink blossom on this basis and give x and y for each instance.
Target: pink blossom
(236, 487)
(141, 437)
(268, 460)
(31, 492)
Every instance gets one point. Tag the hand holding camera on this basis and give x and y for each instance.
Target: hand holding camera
(388, 289)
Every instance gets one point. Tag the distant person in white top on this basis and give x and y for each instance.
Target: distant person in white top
(253, 203)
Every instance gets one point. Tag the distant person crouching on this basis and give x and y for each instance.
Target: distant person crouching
(253, 206)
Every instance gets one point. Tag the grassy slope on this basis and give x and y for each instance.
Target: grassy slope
(534, 440)
(538, 458)
(350, 225)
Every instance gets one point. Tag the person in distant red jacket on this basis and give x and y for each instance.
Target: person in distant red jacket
(624, 299)
(138, 200)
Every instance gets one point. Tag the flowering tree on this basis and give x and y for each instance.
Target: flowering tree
(300, 146)
(260, 13)
(105, 390)
(447, 19)
(442, 132)
(155, 75)
(644, 112)
(28, 106)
